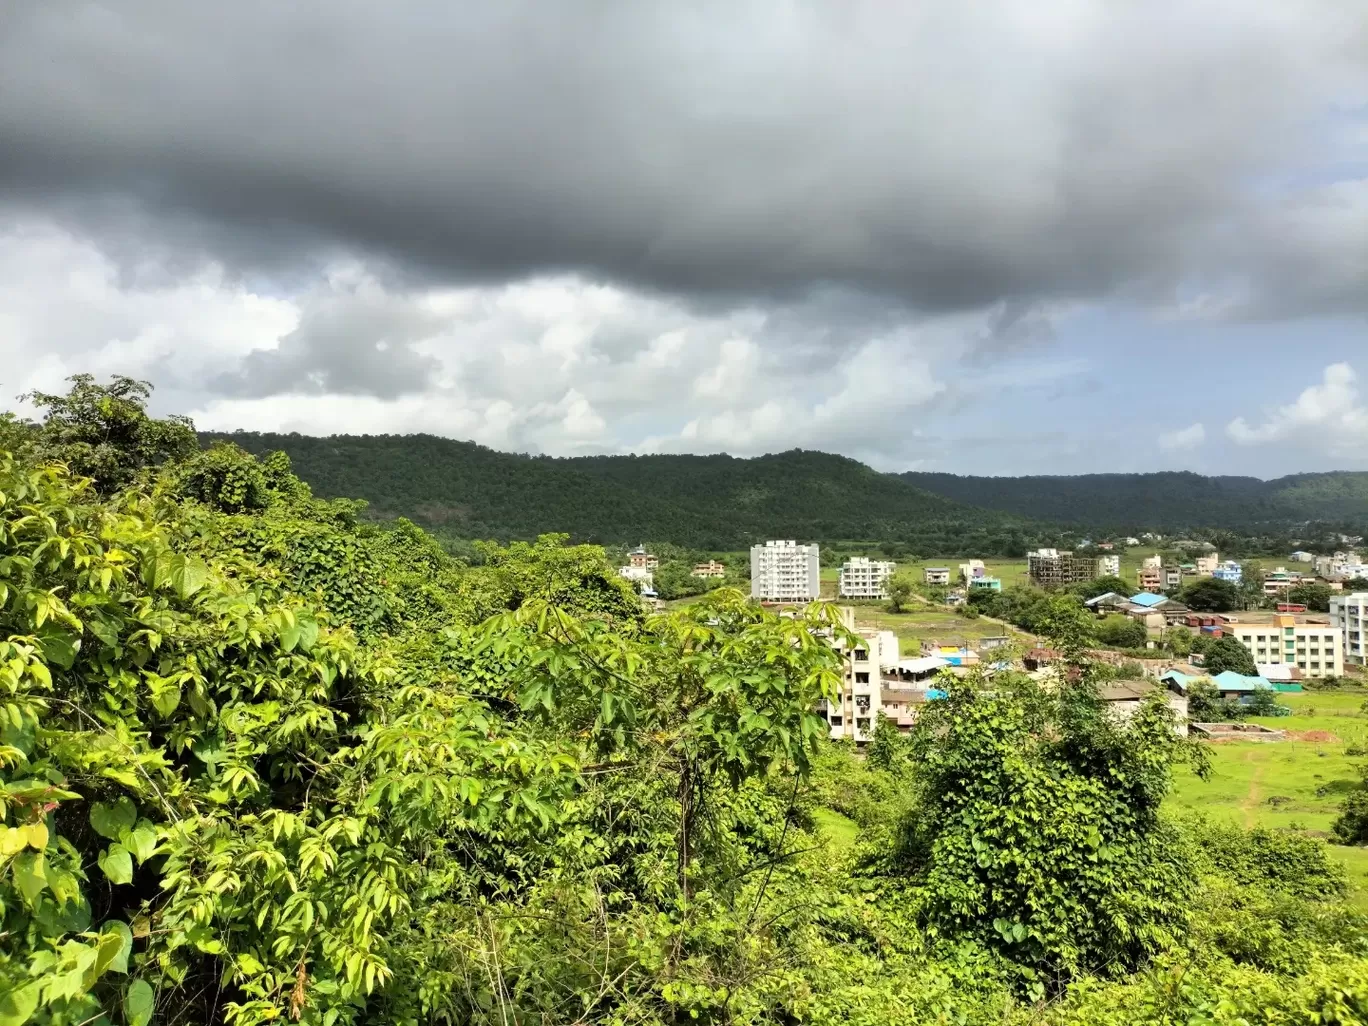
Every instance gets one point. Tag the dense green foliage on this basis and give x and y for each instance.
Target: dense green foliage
(262, 761)
(1226, 653)
(1168, 501)
(708, 502)
(1210, 595)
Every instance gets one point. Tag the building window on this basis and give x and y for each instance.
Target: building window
(836, 721)
(861, 676)
(861, 656)
(862, 725)
(862, 703)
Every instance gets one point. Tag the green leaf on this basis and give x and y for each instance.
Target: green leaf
(117, 864)
(165, 696)
(141, 841)
(211, 749)
(139, 1002)
(289, 637)
(116, 928)
(111, 821)
(59, 647)
(17, 1005)
(189, 576)
(308, 634)
(30, 874)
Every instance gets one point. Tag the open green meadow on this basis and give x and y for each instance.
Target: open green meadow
(1295, 784)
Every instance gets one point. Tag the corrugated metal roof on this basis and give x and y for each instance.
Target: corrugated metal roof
(1229, 680)
(1145, 598)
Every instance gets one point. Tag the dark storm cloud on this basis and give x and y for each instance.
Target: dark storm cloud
(947, 156)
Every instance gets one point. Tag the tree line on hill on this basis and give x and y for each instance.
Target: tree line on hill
(1168, 501)
(264, 761)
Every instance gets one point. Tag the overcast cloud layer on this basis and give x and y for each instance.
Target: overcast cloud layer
(895, 231)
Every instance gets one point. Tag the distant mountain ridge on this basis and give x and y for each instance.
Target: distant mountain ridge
(710, 502)
(727, 502)
(1168, 500)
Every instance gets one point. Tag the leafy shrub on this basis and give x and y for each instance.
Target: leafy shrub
(1271, 859)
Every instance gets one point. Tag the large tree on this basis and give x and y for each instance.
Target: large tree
(103, 431)
(1210, 595)
(1228, 654)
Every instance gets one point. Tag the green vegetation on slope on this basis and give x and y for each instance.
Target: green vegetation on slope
(705, 502)
(1169, 501)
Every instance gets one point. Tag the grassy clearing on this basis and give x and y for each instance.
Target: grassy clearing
(1296, 784)
(926, 623)
(840, 830)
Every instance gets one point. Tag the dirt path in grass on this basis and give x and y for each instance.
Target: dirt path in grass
(1251, 801)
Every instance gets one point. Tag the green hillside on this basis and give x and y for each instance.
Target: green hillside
(712, 502)
(1164, 501)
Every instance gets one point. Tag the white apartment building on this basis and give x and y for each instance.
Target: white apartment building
(937, 575)
(1206, 565)
(1349, 616)
(863, 578)
(1152, 562)
(1109, 566)
(1316, 649)
(784, 571)
(974, 568)
(855, 714)
(637, 575)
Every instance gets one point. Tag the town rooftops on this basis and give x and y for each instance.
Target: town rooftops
(1125, 690)
(922, 665)
(1146, 598)
(1182, 681)
(1229, 680)
(1110, 598)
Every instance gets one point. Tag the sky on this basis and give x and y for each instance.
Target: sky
(986, 237)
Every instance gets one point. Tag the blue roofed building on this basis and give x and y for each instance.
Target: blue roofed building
(1236, 685)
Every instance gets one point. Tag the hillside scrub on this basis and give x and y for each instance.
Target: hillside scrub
(263, 760)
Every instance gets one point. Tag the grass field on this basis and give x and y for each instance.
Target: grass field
(1296, 784)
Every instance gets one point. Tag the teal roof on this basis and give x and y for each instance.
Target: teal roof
(1229, 680)
(1146, 598)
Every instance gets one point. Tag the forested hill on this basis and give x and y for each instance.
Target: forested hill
(713, 502)
(1171, 500)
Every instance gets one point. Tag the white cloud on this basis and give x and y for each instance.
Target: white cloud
(1185, 438)
(555, 364)
(1327, 416)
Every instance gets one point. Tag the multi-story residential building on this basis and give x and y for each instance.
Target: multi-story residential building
(1280, 579)
(1317, 649)
(1229, 571)
(1050, 568)
(1173, 577)
(974, 568)
(986, 584)
(712, 568)
(937, 575)
(1349, 615)
(639, 557)
(1152, 562)
(637, 575)
(1206, 565)
(865, 578)
(1151, 579)
(862, 686)
(784, 571)
(1109, 566)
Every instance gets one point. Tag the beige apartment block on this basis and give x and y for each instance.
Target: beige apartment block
(1317, 649)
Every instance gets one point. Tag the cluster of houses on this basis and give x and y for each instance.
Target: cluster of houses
(878, 679)
(641, 566)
